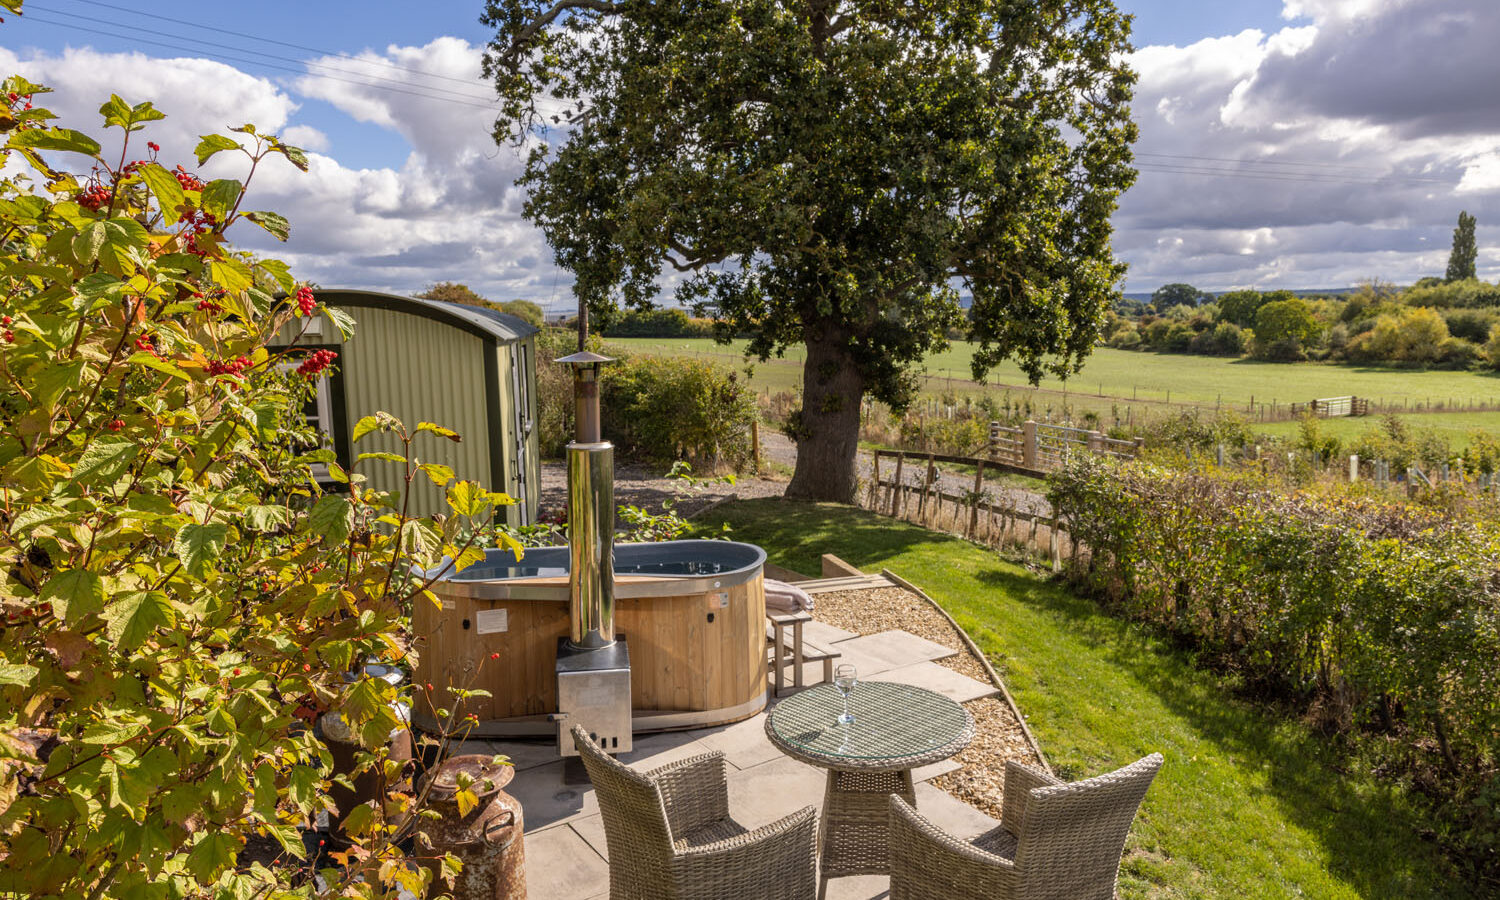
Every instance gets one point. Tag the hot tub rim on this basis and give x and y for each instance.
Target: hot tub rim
(627, 586)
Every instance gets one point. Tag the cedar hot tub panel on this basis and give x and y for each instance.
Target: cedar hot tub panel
(697, 641)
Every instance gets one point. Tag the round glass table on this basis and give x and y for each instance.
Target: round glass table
(896, 728)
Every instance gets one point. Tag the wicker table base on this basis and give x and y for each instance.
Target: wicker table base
(896, 728)
(856, 822)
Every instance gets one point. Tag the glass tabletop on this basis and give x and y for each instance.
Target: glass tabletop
(891, 721)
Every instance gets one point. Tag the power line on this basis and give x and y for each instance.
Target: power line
(1339, 168)
(269, 65)
(266, 40)
(435, 91)
(258, 59)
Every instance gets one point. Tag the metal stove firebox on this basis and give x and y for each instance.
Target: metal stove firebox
(593, 667)
(593, 690)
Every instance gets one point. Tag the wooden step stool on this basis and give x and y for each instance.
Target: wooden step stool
(782, 653)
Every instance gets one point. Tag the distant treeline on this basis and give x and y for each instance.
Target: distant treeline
(1434, 323)
(662, 322)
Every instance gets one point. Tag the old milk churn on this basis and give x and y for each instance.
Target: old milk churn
(488, 840)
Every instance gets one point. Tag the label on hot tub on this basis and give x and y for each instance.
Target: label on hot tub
(719, 599)
(492, 621)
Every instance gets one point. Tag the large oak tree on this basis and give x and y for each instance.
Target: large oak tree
(832, 174)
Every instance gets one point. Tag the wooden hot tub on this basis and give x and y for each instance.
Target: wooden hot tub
(691, 612)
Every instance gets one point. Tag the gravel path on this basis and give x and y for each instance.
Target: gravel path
(644, 486)
(980, 779)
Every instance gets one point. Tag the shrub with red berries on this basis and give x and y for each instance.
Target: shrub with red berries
(163, 462)
(316, 363)
(306, 303)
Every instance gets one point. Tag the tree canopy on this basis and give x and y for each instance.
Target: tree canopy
(454, 292)
(831, 174)
(1465, 250)
(1170, 295)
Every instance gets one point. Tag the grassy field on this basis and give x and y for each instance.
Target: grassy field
(1248, 804)
(1114, 381)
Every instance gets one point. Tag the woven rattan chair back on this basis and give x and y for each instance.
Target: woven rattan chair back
(636, 831)
(1073, 835)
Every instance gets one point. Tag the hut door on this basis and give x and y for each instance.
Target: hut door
(520, 369)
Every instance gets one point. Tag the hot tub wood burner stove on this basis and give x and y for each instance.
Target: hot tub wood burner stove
(559, 619)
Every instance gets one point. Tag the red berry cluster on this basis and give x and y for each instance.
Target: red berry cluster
(13, 98)
(305, 301)
(115, 424)
(188, 180)
(93, 198)
(229, 366)
(207, 305)
(154, 147)
(314, 365)
(8, 335)
(146, 344)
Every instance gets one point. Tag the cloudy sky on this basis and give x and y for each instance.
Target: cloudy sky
(1284, 143)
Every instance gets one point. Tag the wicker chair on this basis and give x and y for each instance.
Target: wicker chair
(670, 837)
(1055, 840)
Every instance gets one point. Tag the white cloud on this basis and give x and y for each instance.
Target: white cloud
(1317, 156)
(449, 211)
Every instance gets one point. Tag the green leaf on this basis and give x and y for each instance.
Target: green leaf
(267, 518)
(438, 430)
(119, 114)
(133, 618)
(466, 498)
(152, 361)
(279, 271)
(341, 320)
(17, 674)
(219, 196)
(364, 426)
(440, 474)
(105, 460)
(168, 193)
(199, 546)
(55, 139)
(36, 472)
(210, 144)
(230, 273)
(366, 698)
(382, 455)
(90, 238)
(276, 224)
(331, 517)
(215, 851)
(74, 594)
(294, 155)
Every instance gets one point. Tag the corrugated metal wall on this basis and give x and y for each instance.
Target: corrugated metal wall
(418, 370)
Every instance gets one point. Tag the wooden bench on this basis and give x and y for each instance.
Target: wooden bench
(795, 652)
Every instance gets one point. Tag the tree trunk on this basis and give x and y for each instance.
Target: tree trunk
(827, 426)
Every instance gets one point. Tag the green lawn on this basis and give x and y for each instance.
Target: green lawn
(1119, 378)
(1247, 805)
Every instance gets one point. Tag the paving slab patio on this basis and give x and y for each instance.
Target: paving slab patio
(565, 845)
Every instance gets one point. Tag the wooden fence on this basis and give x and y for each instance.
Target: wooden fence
(1038, 448)
(909, 486)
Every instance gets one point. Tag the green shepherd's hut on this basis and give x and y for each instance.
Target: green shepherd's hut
(467, 368)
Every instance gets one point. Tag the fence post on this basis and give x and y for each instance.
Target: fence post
(898, 489)
(1096, 442)
(755, 443)
(1028, 444)
(974, 510)
(875, 484)
(1353, 467)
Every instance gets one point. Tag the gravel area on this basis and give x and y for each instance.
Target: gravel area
(646, 487)
(980, 780)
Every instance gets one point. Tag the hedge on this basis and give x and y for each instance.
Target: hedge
(1378, 615)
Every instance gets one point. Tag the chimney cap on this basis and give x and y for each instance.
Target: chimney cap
(585, 358)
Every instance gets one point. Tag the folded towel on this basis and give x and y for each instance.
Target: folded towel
(783, 597)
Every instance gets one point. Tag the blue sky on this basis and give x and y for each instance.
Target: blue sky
(1284, 143)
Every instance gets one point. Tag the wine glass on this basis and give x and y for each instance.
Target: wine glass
(845, 678)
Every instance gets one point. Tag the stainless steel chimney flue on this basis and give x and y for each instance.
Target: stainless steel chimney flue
(591, 512)
(593, 669)
(591, 533)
